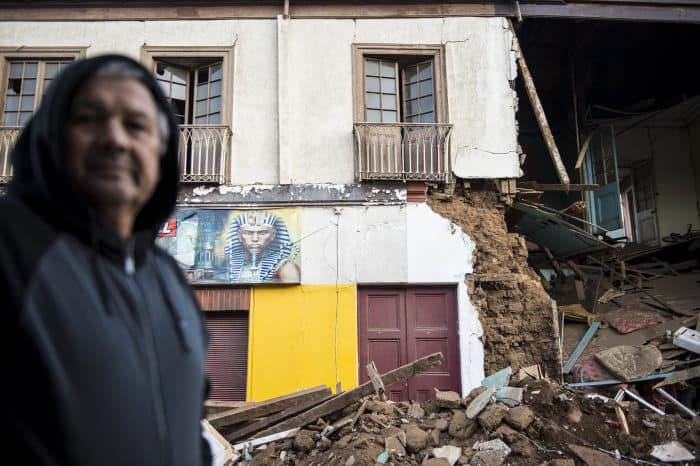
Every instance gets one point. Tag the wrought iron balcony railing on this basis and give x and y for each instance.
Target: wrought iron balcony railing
(402, 151)
(204, 152)
(8, 137)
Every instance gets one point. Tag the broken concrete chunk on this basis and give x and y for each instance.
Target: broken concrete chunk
(671, 452)
(490, 453)
(415, 411)
(416, 439)
(304, 443)
(394, 446)
(510, 396)
(462, 427)
(436, 462)
(435, 436)
(498, 379)
(474, 393)
(507, 433)
(381, 407)
(630, 362)
(350, 461)
(448, 399)
(479, 403)
(520, 417)
(383, 457)
(593, 457)
(492, 416)
(449, 452)
(441, 424)
(562, 462)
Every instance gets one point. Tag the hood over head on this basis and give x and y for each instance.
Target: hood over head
(41, 178)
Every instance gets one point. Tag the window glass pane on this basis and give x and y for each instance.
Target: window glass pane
(202, 91)
(203, 75)
(389, 117)
(29, 86)
(201, 108)
(426, 87)
(215, 88)
(374, 116)
(426, 104)
(50, 70)
(412, 107)
(10, 119)
(425, 71)
(46, 84)
(179, 76)
(388, 70)
(371, 67)
(411, 91)
(162, 71)
(215, 105)
(427, 118)
(14, 86)
(16, 70)
(388, 86)
(216, 72)
(215, 119)
(30, 70)
(178, 107)
(179, 91)
(373, 100)
(389, 102)
(24, 118)
(372, 84)
(412, 119)
(202, 120)
(411, 74)
(12, 102)
(27, 102)
(165, 87)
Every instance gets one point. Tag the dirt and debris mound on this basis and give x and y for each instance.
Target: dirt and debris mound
(514, 308)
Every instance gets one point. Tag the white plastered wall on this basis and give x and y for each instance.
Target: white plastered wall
(395, 244)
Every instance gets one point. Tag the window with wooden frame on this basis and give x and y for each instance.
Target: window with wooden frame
(195, 80)
(26, 75)
(399, 84)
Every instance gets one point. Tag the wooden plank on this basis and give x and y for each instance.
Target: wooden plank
(344, 399)
(216, 406)
(264, 408)
(680, 376)
(376, 380)
(575, 267)
(642, 336)
(539, 111)
(559, 187)
(268, 421)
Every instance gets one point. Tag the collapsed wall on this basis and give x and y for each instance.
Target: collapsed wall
(514, 309)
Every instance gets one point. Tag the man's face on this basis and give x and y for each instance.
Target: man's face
(256, 238)
(113, 143)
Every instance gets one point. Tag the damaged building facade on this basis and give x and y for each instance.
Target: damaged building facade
(345, 174)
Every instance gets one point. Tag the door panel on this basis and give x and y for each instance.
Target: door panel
(398, 326)
(645, 205)
(601, 168)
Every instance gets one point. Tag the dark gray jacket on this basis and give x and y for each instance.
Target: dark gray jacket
(102, 364)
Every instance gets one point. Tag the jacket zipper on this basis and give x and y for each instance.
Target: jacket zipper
(153, 366)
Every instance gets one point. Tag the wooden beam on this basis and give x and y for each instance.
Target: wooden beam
(215, 406)
(559, 187)
(680, 376)
(264, 408)
(539, 111)
(345, 399)
(260, 424)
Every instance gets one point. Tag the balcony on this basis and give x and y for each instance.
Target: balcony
(402, 151)
(204, 151)
(8, 137)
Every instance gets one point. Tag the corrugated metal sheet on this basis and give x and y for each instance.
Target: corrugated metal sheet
(223, 299)
(227, 360)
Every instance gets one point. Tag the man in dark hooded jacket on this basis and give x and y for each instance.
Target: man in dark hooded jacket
(103, 345)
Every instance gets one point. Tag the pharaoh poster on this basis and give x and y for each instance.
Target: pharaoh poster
(234, 246)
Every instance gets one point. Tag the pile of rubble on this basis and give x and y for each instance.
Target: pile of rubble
(520, 420)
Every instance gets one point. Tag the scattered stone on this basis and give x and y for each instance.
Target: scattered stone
(461, 427)
(562, 462)
(492, 416)
(480, 402)
(498, 379)
(522, 447)
(394, 446)
(383, 457)
(671, 452)
(350, 461)
(474, 393)
(490, 453)
(593, 457)
(435, 436)
(441, 424)
(510, 396)
(574, 414)
(344, 441)
(630, 362)
(416, 439)
(415, 411)
(323, 444)
(449, 452)
(436, 462)
(380, 407)
(304, 443)
(448, 399)
(520, 417)
(507, 433)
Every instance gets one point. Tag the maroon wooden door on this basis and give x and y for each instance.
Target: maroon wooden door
(400, 325)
